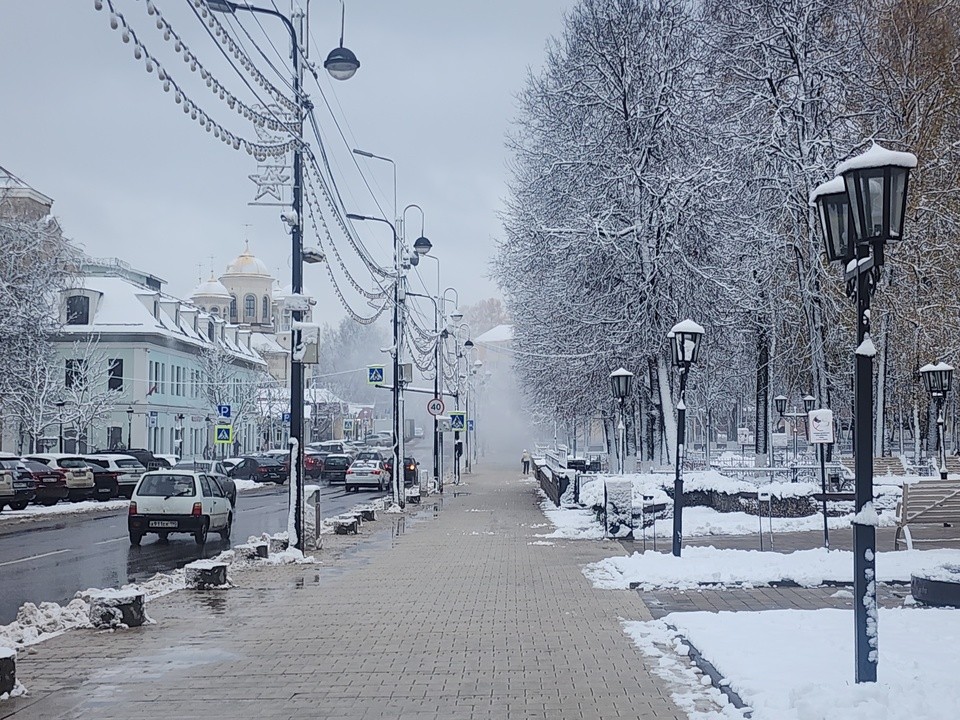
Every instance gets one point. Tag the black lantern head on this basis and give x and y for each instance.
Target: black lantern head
(808, 402)
(422, 245)
(621, 382)
(684, 340)
(341, 63)
(876, 183)
(937, 378)
(780, 403)
(836, 221)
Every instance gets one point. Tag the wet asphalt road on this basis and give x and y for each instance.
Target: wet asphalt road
(50, 560)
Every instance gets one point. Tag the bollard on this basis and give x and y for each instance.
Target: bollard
(8, 670)
(203, 574)
(116, 608)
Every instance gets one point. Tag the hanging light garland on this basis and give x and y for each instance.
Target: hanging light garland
(260, 151)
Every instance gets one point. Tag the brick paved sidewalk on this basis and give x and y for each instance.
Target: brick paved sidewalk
(452, 613)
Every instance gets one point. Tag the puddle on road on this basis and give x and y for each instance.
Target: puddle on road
(215, 602)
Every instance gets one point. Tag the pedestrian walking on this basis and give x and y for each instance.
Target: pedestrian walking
(525, 459)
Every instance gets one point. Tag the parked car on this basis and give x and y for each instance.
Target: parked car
(230, 463)
(410, 470)
(16, 490)
(127, 470)
(146, 457)
(50, 484)
(260, 468)
(214, 468)
(365, 473)
(335, 468)
(179, 501)
(80, 482)
(331, 447)
(313, 463)
(374, 455)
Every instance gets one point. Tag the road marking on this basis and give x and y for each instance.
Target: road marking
(34, 557)
(104, 542)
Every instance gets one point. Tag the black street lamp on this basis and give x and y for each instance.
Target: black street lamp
(129, 428)
(876, 197)
(937, 379)
(684, 341)
(621, 382)
(60, 404)
(341, 64)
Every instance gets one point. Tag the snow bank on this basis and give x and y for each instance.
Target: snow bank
(571, 524)
(798, 664)
(64, 508)
(709, 566)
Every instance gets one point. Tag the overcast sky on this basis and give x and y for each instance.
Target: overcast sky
(133, 177)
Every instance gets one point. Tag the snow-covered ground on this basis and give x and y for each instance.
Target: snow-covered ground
(711, 566)
(798, 664)
(581, 524)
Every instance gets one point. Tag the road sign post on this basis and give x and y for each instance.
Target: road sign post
(820, 433)
(435, 407)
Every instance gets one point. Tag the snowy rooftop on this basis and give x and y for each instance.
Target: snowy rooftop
(125, 307)
(501, 333)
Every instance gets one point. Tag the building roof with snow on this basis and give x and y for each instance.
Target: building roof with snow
(499, 334)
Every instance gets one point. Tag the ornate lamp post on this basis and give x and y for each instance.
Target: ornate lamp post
(938, 379)
(861, 210)
(684, 341)
(621, 382)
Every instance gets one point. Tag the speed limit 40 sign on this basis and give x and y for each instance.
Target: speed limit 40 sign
(435, 407)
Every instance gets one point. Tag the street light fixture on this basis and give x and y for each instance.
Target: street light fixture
(780, 403)
(684, 339)
(938, 378)
(129, 427)
(341, 64)
(422, 246)
(809, 402)
(60, 404)
(621, 382)
(876, 197)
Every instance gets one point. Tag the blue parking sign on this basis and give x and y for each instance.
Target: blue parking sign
(470, 425)
(223, 411)
(286, 418)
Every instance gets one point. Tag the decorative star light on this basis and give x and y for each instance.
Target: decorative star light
(270, 181)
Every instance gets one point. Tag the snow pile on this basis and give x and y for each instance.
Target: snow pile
(709, 566)
(944, 573)
(799, 663)
(571, 524)
(244, 485)
(685, 682)
(64, 508)
(37, 623)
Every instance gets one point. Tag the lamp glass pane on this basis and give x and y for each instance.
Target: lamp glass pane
(871, 189)
(850, 180)
(898, 192)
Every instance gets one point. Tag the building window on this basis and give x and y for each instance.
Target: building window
(266, 311)
(250, 308)
(78, 310)
(233, 308)
(210, 331)
(75, 375)
(285, 321)
(115, 374)
(215, 311)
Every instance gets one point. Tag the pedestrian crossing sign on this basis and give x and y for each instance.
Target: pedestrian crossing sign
(374, 374)
(458, 420)
(348, 425)
(224, 434)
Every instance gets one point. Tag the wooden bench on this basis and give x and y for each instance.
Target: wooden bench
(930, 502)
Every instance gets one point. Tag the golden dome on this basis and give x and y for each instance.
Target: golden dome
(247, 264)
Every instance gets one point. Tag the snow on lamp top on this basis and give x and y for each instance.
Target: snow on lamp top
(685, 342)
(876, 157)
(830, 187)
(621, 382)
(937, 378)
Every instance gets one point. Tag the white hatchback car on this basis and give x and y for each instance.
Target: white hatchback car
(179, 501)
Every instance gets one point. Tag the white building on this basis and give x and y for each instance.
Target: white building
(156, 351)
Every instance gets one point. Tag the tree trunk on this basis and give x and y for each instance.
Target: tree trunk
(761, 424)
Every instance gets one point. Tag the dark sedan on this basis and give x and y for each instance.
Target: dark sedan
(50, 485)
(335, 468)
(260, 468)
(410, 468)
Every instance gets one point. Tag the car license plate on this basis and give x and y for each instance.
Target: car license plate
(163, 523)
